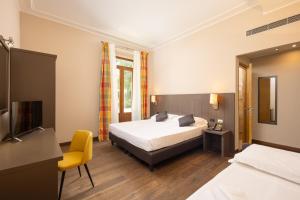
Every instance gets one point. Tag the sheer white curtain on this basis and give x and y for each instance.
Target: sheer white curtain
(136, 96)
(114, 84)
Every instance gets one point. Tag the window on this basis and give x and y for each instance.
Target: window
(124, 62)
(125, 88)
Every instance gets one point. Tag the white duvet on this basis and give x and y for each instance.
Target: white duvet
(253, 175)
(150, 135)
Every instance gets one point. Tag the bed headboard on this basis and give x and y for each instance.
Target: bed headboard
(198, 104)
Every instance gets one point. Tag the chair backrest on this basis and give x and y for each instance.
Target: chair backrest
(83, 141)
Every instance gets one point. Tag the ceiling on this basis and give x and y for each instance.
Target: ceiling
(148, 23)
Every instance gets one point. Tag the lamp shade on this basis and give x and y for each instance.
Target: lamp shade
(153, 99)
(213, 100)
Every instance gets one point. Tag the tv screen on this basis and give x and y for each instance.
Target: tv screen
(25, 116)
(4, 62)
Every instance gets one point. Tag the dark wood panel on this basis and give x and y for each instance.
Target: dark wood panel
(36, 182)
(32, 77)
(119, 176)
(4, 60)
(198, 104)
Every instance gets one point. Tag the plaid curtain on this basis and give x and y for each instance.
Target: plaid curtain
(105, 94)
(144, 84)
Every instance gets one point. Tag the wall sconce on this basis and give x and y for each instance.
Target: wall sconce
(9, 42)
(213, 100)
(153, 99)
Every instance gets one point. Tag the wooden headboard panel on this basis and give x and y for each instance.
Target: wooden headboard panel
(198, 104)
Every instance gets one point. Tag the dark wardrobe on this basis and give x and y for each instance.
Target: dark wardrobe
(28, 169)
(32, 77)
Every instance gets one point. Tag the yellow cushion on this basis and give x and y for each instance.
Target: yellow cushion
(79, 140)
(70, 160)
(83, 141)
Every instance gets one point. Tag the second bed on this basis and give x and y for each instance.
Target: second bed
(153, 142)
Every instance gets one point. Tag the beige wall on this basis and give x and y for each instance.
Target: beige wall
(9, 27)
(77, 71)
(286, 67)
(10, 20)
(205, 61)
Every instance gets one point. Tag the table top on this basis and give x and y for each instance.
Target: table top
(36, 147)
(217, 132)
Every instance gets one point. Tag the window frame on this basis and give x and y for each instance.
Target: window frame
(123, 116)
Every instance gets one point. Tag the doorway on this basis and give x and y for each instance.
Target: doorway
(256, 109)
(244, 104)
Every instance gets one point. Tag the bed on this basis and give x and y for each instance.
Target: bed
(153, 142)
(257, 173)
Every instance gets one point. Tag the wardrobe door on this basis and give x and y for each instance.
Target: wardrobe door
(32, 78)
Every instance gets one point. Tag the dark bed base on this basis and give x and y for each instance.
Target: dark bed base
(154, 157)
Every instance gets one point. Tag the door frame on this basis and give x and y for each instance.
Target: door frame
(249, 114)
(123, 116)
(245, 67)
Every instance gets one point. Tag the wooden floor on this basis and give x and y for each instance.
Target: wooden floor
(118, 176)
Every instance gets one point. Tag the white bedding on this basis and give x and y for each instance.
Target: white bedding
(240, 182)
(285, 164)
(150, 135)
(257, 173)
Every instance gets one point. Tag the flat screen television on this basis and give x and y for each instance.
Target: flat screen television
(4, 66)
(25, 117)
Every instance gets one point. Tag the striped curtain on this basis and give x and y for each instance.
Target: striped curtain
(144, 84)
(105, 94)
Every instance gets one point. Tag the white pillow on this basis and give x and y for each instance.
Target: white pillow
(285, 164)
(200, 121)
(153, 117)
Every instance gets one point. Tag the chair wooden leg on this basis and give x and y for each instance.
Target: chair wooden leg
(87, 170)
(79, 171)
(61, 184)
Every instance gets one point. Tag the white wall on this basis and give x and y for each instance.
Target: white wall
(9, 27)
(286, 67)
(77, 71)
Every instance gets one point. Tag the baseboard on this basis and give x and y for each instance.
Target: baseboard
(68, 143)
(278, 146)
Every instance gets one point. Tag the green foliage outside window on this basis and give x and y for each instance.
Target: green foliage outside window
(125, 63)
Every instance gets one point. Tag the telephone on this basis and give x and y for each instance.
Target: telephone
(211, 124)
(215, 126)
(219, 125)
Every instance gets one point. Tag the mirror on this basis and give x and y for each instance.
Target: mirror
(267, 100)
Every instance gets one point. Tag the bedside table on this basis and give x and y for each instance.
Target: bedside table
(218, 140)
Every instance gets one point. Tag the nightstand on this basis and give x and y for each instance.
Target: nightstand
(221, 141)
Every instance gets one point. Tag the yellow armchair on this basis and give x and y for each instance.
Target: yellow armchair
(80, 152)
